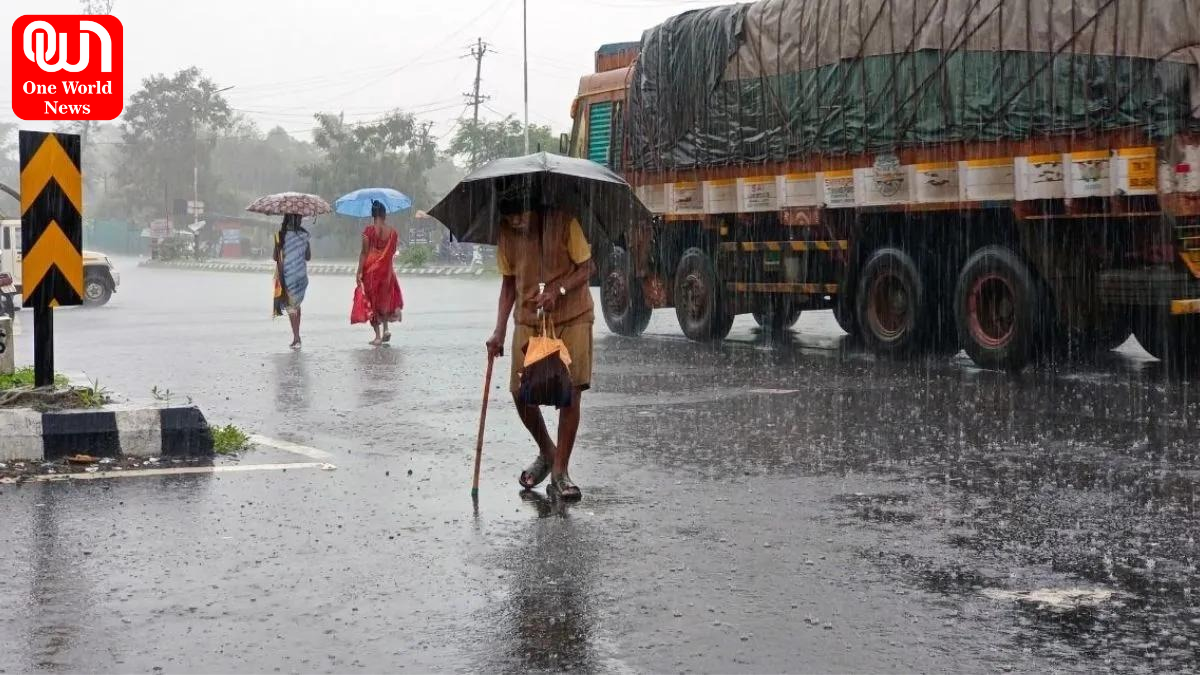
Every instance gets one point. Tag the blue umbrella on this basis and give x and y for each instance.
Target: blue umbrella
(358, 203)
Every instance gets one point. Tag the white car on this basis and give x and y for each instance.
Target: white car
(100, 277)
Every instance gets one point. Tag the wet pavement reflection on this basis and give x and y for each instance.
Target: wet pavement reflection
(772, 504)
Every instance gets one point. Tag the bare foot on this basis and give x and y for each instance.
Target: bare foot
(376, 342)
(387, 337)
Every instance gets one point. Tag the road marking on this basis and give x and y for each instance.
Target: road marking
(288, 446)
(176, 471)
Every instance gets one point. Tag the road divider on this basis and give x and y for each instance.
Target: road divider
(112, 431)
(326, 269)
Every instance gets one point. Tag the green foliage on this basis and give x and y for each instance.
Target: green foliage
(169, 124)
(94, 396)
(250, 164)
(416, 256)
(23, 377)
(9, 167)
(477, 143)
(395, 151)
(228, 440)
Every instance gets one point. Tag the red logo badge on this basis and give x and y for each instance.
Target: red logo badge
(67, 67)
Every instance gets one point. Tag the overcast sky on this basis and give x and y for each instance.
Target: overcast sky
(288, 59)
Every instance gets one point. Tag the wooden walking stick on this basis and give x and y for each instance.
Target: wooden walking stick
(487, 387)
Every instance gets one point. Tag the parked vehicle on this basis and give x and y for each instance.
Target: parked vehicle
(1022, 183)
(100, 276)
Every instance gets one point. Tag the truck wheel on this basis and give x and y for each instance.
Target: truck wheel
(621, 297)
(996, 306)
(699, 302)
(96, 291)
(1174, 340)
(778, 314)
(891, 303)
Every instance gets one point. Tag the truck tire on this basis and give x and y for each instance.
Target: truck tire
(97, 290)
(1174, 340)
(997, 308)
(891, 304)
(621, 298)
(699, 299)
(778, 315)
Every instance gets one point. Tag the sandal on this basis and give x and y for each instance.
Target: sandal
(566, 488)
(535, 473)
(387, 337)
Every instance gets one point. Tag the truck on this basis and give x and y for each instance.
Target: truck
(100, 276)
(1019, 179)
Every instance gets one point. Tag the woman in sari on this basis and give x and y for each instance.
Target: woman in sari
(292, 253)
(377, 277)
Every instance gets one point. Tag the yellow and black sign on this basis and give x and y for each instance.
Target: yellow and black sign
(51, 219)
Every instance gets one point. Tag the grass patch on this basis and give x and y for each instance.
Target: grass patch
(23, 377)
(94, 396)
(416, 256)
(229, 440)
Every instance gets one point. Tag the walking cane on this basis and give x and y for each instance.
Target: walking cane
(487, 387)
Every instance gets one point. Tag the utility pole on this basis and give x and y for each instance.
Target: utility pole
(474, 98)
(525, 64)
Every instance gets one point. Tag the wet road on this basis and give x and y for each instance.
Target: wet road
(764, 506)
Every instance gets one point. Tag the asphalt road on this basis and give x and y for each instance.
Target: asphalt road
(763, 506)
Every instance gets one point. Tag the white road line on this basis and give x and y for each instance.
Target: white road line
(288, 446)
(180, 470)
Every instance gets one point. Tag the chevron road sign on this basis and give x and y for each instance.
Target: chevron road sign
(51, 236)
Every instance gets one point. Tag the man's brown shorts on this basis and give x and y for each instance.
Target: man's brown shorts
(578, 338)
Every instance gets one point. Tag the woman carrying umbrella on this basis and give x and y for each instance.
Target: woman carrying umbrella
(292, 251)
(377, 276)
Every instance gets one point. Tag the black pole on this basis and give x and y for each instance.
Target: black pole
(43, 346)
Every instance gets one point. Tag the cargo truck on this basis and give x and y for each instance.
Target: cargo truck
(1016, 178)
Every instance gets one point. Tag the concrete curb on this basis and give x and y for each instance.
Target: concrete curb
(112, 431)
(332, 269)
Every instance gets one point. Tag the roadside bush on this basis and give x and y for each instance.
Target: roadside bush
(229, 439)
(416, 256)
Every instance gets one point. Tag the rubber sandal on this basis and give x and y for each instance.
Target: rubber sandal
(566, 488)
(535, 473)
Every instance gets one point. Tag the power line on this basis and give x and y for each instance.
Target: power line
(375, 120)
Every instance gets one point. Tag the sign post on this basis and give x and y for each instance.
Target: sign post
(51, 236)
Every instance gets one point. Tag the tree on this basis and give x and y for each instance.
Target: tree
(504, 138)
(250, 164)
(97, 6)
(395, 151)
(9, 162)
(171, 125)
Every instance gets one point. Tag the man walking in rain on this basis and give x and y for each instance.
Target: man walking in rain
(545, 246)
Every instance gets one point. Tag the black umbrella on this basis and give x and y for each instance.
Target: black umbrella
(602, 201)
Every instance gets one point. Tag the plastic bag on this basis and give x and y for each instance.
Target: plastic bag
(360, 309)
(546, 378)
